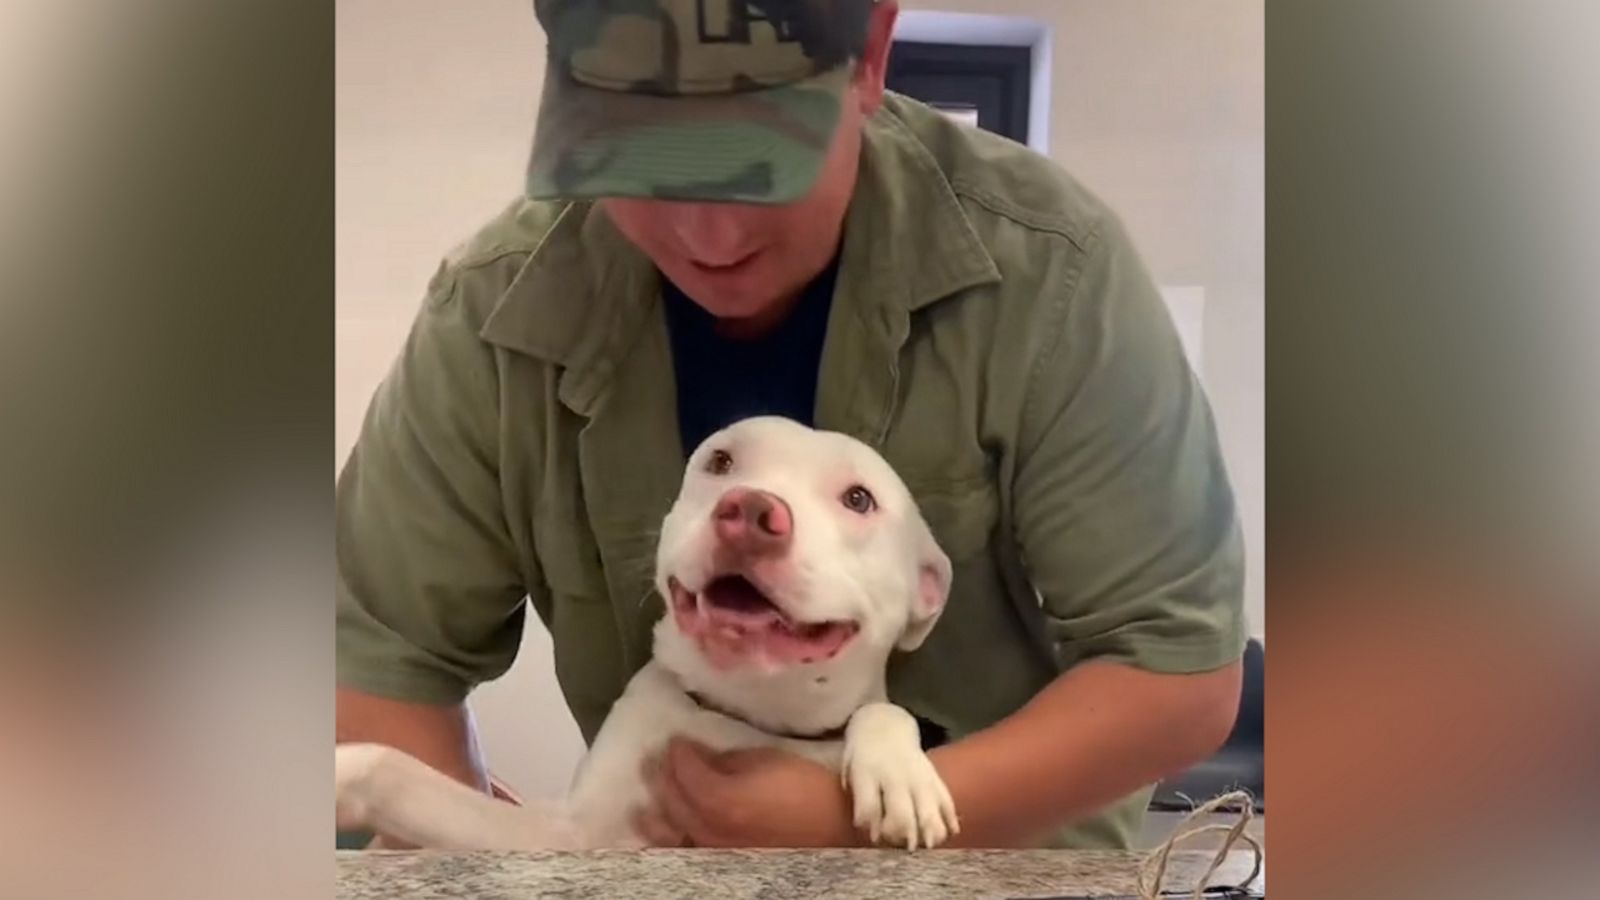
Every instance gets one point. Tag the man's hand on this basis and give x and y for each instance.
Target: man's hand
(1070, 751)
(744, 798)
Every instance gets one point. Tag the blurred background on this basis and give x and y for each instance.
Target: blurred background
(1154, 105)
(167, 400)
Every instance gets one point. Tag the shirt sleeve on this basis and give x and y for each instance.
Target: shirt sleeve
(1122, 504)
(430, 601)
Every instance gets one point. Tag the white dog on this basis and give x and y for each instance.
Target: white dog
(793, 563)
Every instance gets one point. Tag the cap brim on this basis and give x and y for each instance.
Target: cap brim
(758, 146)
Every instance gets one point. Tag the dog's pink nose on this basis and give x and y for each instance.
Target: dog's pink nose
(753, 521)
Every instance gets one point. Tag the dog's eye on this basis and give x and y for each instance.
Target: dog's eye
(859, 500)
(720, 463)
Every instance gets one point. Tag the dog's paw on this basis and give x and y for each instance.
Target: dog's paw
(897, 793)
(354, 766)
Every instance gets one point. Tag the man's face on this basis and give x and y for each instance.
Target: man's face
(740, 260)
(743, 261)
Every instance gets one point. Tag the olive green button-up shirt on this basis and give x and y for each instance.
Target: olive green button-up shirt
(993, 334)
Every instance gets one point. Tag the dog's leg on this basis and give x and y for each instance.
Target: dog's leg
(384, 790)
(898, 794)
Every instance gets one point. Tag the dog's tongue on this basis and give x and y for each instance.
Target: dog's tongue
(740, 620)
(735, 600)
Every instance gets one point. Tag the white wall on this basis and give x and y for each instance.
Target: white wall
(1155, 104)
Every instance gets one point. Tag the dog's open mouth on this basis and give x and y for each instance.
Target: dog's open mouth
(733, 612)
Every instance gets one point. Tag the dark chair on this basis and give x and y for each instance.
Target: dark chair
(1238, 765)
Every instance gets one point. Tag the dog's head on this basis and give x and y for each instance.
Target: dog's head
(792, 547)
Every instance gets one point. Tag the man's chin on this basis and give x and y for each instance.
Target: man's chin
(746, 293)
(735, 308)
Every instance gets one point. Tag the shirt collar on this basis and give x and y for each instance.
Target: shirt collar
(585, 291)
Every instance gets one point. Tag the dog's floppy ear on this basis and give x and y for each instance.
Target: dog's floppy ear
(933, 588)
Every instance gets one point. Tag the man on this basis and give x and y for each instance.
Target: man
(730, 216)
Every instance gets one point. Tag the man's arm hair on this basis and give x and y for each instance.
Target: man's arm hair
(1095, 734)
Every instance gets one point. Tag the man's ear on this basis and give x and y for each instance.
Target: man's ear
(933, 589)
(872, 70)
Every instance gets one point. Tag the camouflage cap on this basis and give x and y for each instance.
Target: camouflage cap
(707, 100)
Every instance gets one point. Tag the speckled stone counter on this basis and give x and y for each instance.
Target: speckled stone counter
(765, 874)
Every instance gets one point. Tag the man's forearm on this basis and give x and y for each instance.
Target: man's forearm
(1096, 734)
(441, 736)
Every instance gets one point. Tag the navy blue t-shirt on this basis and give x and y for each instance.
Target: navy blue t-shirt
(722, 380)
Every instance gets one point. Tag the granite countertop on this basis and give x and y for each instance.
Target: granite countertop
(765, 874)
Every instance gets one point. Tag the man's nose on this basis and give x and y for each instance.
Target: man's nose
(753, 521)
(708, 231)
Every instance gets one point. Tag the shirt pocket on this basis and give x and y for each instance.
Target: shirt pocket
(590, 664)
(569, 554)
(962, 515)
(604, 572)
(976, 665)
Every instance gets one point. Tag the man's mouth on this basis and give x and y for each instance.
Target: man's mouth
(726, 266)
(731, 614)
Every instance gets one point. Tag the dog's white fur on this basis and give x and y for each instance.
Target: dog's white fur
(880, 570)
